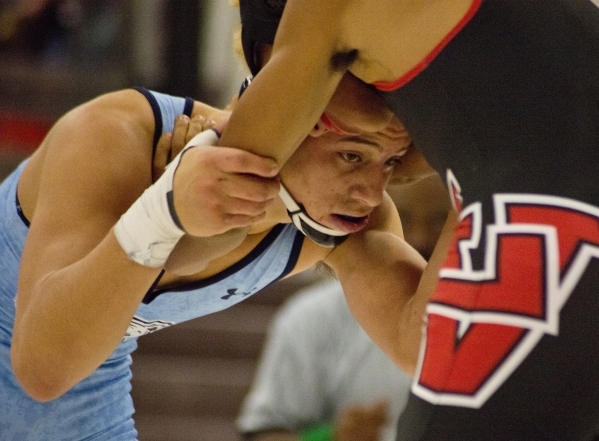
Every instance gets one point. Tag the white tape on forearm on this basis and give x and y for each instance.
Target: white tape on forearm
(150, 229)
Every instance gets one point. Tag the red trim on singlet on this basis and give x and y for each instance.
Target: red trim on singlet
(21, 132)
(392, 85)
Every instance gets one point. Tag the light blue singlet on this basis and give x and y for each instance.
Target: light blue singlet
(100, 407)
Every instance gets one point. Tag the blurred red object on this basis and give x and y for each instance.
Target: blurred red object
(23, 133)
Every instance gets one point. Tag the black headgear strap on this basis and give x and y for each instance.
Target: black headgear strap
(259, 22)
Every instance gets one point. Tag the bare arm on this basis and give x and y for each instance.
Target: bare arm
(387, 286)
(413, 316)
(77, 290)
(304, 83)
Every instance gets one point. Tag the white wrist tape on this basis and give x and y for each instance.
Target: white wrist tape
(150, 228)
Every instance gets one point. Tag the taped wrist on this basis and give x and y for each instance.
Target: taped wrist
(149, 230)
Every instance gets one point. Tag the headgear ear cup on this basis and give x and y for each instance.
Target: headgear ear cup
(259, 22)
(320, 234)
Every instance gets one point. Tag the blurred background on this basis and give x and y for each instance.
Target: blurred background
(56, 54)
(188, 380)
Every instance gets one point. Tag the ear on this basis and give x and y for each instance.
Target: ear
(319, 129)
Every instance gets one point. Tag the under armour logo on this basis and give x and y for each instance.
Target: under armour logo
(233, 292)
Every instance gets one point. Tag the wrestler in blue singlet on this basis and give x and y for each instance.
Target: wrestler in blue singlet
(100, 407)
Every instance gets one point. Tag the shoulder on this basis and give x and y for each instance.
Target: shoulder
(108, 123)
(121, 113)
(128, 101)
(102, 147)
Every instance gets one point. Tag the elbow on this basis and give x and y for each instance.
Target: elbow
(39, 381)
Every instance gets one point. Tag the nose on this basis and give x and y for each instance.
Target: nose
(370, 187)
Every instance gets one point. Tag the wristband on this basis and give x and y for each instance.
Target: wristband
(150, 228)
(322, 432)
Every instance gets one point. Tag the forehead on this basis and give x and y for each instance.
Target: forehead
(357, 107)
(378, 143)
(390, 137)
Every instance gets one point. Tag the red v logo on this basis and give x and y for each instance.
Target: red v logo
(482, 323)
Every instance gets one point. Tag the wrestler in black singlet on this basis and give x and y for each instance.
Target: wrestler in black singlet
(509, 112)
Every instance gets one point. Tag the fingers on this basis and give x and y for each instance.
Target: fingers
(161, 156)
(248, 188)
(170, 144)
(179, 138)
(186, 128)
(242, 161)
(197, 124)
(210, 199)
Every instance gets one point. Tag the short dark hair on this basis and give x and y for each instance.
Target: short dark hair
(259, 22)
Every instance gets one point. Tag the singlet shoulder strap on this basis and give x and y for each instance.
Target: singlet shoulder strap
(165, 108)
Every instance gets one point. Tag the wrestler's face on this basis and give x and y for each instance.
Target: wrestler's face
(340, 171)
(357, 108)
(341, 178)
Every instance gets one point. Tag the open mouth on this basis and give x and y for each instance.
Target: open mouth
(350, 224)
(351, 218)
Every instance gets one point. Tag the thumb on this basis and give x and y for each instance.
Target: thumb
(242, 161)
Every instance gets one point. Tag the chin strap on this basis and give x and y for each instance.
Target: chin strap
(320, 234)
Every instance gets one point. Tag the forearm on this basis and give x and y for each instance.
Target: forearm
(413, 317)
(75, 318)
(193, 254)
(286, 113)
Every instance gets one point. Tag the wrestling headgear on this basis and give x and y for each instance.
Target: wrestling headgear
(259, 22)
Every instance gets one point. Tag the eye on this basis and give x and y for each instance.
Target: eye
(350, 156)
(394, 161)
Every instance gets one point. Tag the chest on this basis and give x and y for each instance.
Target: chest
(175, 300)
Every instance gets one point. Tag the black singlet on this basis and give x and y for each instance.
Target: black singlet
(508, 112)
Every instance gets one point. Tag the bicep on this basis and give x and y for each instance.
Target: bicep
(94, 167)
